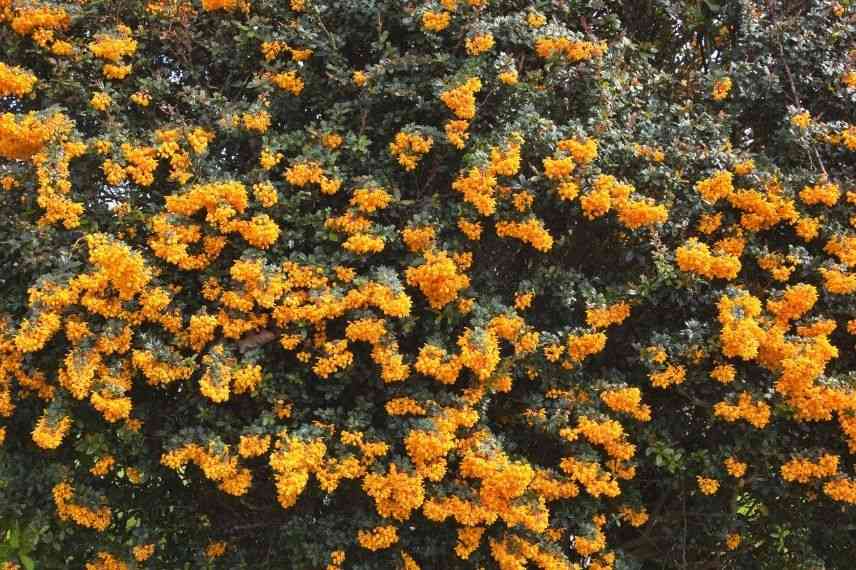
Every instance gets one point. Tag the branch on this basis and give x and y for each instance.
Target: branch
(256, 340)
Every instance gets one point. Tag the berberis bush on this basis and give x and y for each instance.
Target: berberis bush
(445, 284)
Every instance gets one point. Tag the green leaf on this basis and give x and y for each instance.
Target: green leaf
(14, 537)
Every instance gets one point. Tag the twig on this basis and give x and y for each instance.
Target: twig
(323, 27)
(684, 535)
(794, 92)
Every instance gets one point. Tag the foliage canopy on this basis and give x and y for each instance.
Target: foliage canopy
(446, 284)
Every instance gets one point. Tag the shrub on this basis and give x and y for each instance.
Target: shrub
(444, 284)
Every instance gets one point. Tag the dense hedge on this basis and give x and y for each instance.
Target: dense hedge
(447, 284)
